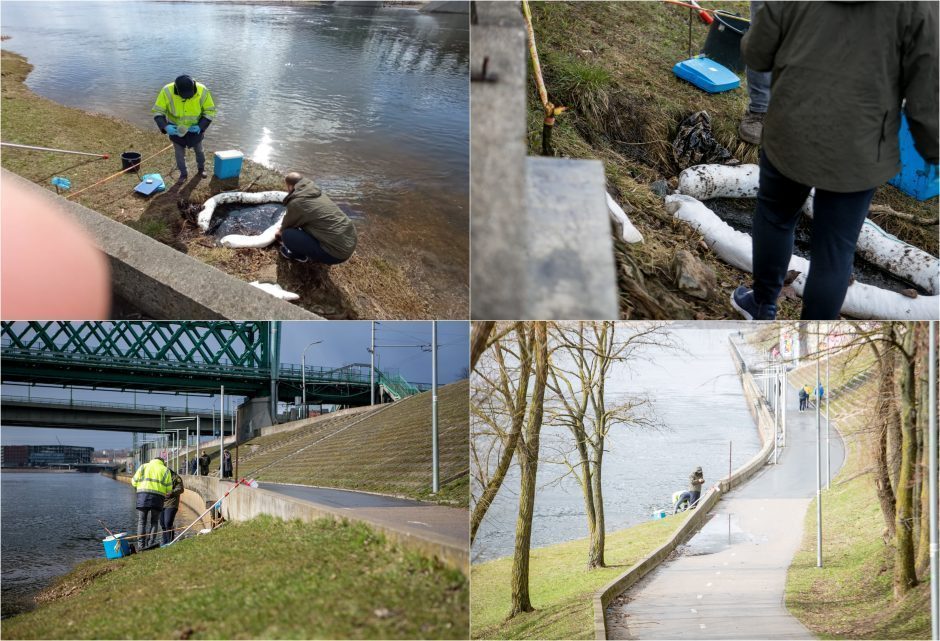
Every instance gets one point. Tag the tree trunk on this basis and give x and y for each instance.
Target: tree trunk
(596, 552)
(885, 412)
(905, 576)
(922, 560)
(529, 460)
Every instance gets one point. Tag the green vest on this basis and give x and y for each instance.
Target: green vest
(153, 477)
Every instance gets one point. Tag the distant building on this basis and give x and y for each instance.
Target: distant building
(45, 455)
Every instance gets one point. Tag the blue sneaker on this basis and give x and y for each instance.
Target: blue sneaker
(742, 299)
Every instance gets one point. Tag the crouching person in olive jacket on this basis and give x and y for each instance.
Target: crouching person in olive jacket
(314, 229)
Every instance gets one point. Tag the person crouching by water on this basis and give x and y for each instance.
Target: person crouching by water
(153, 482)
(696, 479)
(314, 229)
(170, 506)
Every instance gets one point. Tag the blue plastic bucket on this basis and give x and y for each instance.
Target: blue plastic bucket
(115, 546)
(917, 177)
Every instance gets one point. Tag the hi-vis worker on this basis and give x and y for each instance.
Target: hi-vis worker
(183, 111)
(153, 482)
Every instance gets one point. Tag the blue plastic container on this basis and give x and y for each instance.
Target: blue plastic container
(115, 546)
(227, 164)
(917, 177)
(706, 74)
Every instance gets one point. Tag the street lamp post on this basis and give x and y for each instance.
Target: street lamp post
(818, 479)
(303, 377)
(435, 454)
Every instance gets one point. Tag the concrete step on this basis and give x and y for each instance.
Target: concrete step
(571, 272)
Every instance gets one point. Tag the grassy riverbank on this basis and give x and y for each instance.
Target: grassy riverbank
(851, 596)
(374, 283)
(560, 586)
(263, 579)
(610, 63)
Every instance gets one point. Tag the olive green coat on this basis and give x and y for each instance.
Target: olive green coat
(173, 498)
(840, 73)
(311, 210)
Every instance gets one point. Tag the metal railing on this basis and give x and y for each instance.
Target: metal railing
(66, 402)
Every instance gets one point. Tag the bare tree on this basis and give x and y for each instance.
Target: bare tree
(578, 378)
(499, 399)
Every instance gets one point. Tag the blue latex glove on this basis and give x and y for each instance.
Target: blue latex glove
(171, 130)
(195, 129)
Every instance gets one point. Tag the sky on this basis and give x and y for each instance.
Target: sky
(343, 342)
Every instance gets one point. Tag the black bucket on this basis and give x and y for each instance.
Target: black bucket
(723, 44)
(130, 160)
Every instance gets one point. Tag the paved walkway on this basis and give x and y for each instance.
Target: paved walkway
(446, 525)
(728, 581)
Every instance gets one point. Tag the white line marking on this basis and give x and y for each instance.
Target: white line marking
(699, 596)
(419, 523)
(708, 585)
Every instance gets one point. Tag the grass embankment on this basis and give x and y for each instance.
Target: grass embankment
(611, 64)
(262, 579)
(851, 596)
(370, 285)
(387, 450)
(561, 587)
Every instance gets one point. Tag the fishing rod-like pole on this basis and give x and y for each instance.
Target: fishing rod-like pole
(58, 151)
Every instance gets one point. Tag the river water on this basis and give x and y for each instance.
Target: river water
(371, 102)
(696, 397)
(49, 524)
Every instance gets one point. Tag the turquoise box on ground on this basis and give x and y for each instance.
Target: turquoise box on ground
(116, 546)
(706, 74)
(227, 164)
(917, 177)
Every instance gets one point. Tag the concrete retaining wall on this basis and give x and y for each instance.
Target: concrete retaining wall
(304, 422)
(245, 503)
(618, 586)
(160, 281)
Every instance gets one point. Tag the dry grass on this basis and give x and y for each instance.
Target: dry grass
(386, 277)
(611, 64)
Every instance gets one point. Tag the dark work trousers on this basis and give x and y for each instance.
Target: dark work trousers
(694, 496)
(167, 516)
(148, 523)
(837, 221)
(304, 245)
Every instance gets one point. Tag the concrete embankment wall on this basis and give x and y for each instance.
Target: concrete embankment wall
(304, 422)
(246, 503)
(765, 425)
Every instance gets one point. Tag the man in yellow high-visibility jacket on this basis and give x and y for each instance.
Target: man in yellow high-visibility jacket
(153, 482)
(183, 111)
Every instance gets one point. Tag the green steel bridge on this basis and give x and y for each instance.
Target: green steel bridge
(191, 357)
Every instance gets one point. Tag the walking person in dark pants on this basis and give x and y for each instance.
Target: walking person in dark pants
(840, 72)
(227, 465)
(803, 396)
(170, 506)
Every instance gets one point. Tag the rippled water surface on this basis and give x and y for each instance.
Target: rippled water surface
(697, 398)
